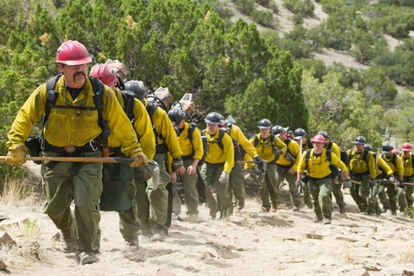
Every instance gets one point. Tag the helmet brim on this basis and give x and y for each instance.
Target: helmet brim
(211, 122)
(75, 62)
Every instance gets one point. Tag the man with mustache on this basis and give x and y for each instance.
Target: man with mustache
(72, 127)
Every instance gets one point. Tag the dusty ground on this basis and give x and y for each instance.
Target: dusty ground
(250, 243)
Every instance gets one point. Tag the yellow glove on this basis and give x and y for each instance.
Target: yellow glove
(16, 155)
(140, 158)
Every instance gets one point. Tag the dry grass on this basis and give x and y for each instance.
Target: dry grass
(13, 192)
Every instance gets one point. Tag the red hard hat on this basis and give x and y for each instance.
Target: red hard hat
(406, 147)
(72, 52)
(318, 139)
(105, 73)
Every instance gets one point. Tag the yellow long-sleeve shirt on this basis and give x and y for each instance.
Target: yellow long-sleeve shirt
(318, 165)
(189, 147)
(398, 167)
(70, 126)
(264, 147)
(381, 166)
(408, 165)
(216, 155)
(358, 165)
(142, 125)
(294, 151)
(165, 133)
(237, 134)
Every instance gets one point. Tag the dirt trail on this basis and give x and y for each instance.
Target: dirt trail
(250, 243)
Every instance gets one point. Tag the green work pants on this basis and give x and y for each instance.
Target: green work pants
(190, 191)
(283, 173)
(373, 206)
(360, 192)
(143, 206)
(236, 184)
(337, 192)
(211, 174)
(268, 187)
(157, 198)
(320, 190)
(61, 186)
(409, 191)
(395, 195)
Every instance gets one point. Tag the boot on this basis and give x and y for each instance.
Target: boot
(274, 207)
(240, 204)
(67, 240)
(86, 258)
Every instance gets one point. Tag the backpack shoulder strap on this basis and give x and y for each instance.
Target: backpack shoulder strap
(256, 140)
(191, 129)
(51, 96)
(306, 158)
(329, 145)
(220, 139)
(129, 98)
(329, 155)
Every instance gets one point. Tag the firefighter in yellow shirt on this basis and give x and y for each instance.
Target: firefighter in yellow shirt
(269, 148)
(73, 128)
(287, 164)
(118, 177)
(393, 186)
(336, 187)
(317, 163)
(381, 168)
(236, 184)
(189, 138)
(408, 161)
(219, 162)
(362, 169)
(300, 136)
(152, 201)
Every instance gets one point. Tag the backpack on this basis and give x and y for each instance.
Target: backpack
(364, 157)
(333, 168)
(98, 88)
(151, 107)
(190, 137)
(237, 152)
(129, 102)
(276, 151)
(393, 159)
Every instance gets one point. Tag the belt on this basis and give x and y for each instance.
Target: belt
(161, 148)
(188, 157)
(70, 150)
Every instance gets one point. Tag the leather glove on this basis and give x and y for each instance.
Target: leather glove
(177, 163)
(347, 184)
(144, 173)
(140, 158)
(224, 178)
(298, 184)
(258, 160)
(16, 155)
(401, 184)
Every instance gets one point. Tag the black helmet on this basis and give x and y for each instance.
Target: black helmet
(368, 147)
(138, 88)
(176, 115)
(299, 133)
(277, 130)
(360, 140)
(386, 147)
(264, 123)
(213, 118)
(324, 134)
